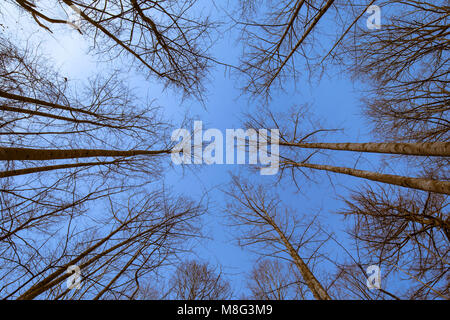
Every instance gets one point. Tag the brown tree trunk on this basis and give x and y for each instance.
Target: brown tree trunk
(57, 117)
(407, 182)
(438, 149)
(19, 172)
(51, 154)
(15, 97)
(313, 284)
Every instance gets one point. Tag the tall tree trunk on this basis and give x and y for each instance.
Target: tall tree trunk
(436, 186)
(15, 97)
(50, 154)
(19, 172)
(438, 149)
(57, 117)
(313, 284)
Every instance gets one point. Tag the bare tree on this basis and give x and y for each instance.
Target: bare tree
(276, 280)
(52, 205)
(163, 37)
(114, 257)
(48, 128)
(404, 62)
(407, 233)
(405, 66)
(273, 36)
(295, 138)
(266, 223)
(194, 280)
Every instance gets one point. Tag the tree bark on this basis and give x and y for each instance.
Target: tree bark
(19, 172)
(429, 185)
(57, 117)
(436, 149)
(15, 97)
(12, 154)
(313, 284)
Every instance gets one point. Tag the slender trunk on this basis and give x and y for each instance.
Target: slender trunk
(15, 97)
(51, 154)
(290, 25)
(19, 172)
(429, 185)
(313, 284)
(437, 149)
(57, 117)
